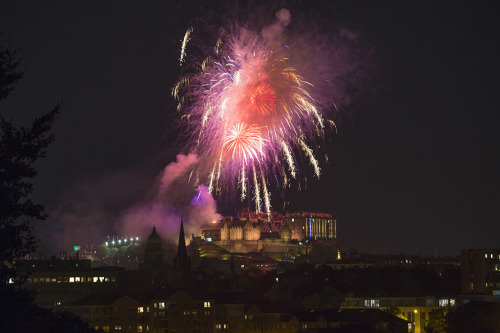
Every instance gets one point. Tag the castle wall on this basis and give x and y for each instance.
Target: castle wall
(245, 246)
(235, 233)
(252, 233)
(224, 233)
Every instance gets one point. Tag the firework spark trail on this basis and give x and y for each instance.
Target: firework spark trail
(289, 158)
(184, 43)
(267, 200)
(243, 182)
(312, 159)
(256, 192)
(246, 107)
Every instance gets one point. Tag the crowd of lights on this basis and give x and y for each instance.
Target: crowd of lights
(121, 241)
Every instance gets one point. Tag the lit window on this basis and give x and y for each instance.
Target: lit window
(443, 302)
(95, 279)
(101, 279)
(71, 279)
(139, 328)
(372, 303)
(486, 255)
(206, 304)
(105, 329)
(155, 305)
(147, 309)
(106, 279)
(218, 326)
(452, 302)
(224, 326)
(140, 309)
(118, 328)
(77, 279)
(162, 305)
(491, 256)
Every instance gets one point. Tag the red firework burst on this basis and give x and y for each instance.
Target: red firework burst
(263, 100)
(244, 142)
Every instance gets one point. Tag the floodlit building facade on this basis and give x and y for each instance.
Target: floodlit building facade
(481, 271)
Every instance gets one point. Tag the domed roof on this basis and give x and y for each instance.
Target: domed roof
(154, 238)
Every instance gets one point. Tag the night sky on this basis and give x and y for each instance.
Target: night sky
(414, 166)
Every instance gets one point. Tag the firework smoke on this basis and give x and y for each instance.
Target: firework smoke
(109, 206)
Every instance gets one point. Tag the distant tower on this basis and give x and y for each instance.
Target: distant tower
(286, 233)
(153, 255)
(182, 260)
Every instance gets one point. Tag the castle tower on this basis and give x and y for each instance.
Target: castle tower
(181, 259)
(286, 233)
(224, 231)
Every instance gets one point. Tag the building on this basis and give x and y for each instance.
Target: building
(58, 281)
(111, 313)
(414, 309)
(274, 233)
(153, 255)
(181, 312)
(481, 271)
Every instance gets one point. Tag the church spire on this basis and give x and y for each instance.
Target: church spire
(182, 260)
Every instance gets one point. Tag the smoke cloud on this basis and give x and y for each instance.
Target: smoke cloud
(274, 31)
(175, 198)
(128, 204)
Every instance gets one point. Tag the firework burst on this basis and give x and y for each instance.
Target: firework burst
(249, 114)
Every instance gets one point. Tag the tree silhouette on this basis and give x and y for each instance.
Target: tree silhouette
(20, 148)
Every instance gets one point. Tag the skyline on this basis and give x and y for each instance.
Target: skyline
(412, 168)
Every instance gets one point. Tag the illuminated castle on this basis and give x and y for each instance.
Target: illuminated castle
(274, 233)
